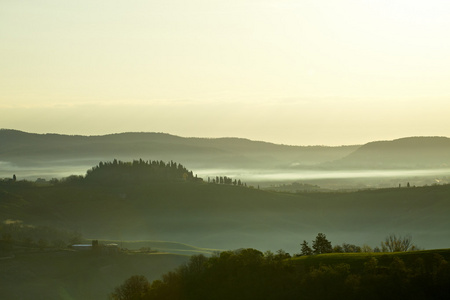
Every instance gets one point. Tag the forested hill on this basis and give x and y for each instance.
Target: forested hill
(412, 152)
(23, 148)
(138, 172)
(145, 200)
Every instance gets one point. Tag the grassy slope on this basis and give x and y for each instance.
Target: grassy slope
(357, 260)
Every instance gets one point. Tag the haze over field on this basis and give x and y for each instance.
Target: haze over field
(293, 72)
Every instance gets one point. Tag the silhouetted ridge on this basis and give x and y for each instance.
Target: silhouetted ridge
(21, 148)
(138, 171)
(412, 152)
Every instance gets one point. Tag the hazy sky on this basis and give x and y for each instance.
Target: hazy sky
(286, 71)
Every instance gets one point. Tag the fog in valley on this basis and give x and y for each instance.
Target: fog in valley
(327, 179)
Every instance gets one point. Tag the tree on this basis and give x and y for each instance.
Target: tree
(14, 177)
(350, 248)
(338, 249)
(134, 288)
(366, 249)
(306, 250)
(392, 243)
(321, 244)
(281, 254)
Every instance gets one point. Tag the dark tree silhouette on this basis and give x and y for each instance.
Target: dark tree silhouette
(249, 274)
(321, 244)
(138, 172)
(306, 250)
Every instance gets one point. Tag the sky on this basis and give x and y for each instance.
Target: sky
(298, 72)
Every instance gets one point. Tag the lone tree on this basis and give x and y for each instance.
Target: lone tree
(306, 250)
(321, 244)
(392, 243)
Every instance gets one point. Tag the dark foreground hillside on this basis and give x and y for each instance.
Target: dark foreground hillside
(249, 274)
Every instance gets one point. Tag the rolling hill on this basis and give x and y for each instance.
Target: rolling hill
(405, 153)
(25, 149)
(227, 216)
(138, 203)
(54, 155)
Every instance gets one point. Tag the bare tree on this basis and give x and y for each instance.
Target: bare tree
(392, 243)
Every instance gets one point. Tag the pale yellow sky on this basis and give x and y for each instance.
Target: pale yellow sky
(293, 72)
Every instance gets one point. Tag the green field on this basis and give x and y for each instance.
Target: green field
(356, 261)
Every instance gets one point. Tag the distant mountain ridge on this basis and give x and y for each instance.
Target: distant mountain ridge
(25, 147)
(410, 152)
(22, 148)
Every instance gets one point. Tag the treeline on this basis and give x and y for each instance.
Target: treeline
(251, 274)
(15, 234)
(226, 180)
(138, 171)
(392, 243)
